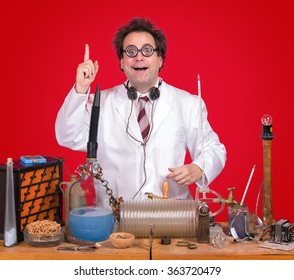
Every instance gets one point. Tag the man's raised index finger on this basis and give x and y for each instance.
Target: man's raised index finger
(87, 53)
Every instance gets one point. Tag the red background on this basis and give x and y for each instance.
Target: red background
(243, 51)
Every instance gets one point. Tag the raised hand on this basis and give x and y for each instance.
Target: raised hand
(86, 72)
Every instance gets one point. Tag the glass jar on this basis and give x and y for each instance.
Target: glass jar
(238, 220)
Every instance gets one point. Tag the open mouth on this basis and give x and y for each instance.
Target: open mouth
(140, 68)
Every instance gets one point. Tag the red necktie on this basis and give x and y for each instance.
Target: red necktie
(143, 118)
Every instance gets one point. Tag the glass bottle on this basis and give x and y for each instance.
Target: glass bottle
(91, 217)
(203, 224)
(10, 233)
(65, 191)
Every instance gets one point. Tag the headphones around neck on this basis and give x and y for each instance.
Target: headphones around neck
(154, 92)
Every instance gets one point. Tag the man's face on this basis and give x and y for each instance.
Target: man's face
(141, 71)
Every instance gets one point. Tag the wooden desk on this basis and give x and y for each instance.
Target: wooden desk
(140, 251)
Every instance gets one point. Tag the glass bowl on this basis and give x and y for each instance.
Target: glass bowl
(45, 240)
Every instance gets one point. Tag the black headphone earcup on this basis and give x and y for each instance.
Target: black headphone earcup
(132, 93)
(154, 93)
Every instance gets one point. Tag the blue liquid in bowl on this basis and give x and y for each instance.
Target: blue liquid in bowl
(90, 223)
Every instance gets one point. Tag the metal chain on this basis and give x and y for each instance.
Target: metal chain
(98, 173)
(113, 202)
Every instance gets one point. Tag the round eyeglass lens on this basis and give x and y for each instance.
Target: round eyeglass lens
(131, 51)
(147, 50)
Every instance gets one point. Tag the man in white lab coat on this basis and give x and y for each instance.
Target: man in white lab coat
(134, 166)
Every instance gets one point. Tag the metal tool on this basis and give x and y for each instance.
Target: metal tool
(186, 244)
(150, 241)
(78, 248)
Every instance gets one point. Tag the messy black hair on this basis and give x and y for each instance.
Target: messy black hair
(140, 25)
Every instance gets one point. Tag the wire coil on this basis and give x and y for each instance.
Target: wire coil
(174, 218)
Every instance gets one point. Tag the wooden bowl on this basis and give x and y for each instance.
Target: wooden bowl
(122, 239)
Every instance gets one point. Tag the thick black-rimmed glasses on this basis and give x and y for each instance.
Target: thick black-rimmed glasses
(132, 51)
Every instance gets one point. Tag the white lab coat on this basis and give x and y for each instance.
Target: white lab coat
(176, 128)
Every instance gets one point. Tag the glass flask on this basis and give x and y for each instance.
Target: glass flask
(90, 214)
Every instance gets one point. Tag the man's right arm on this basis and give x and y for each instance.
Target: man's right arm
(73, 118)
